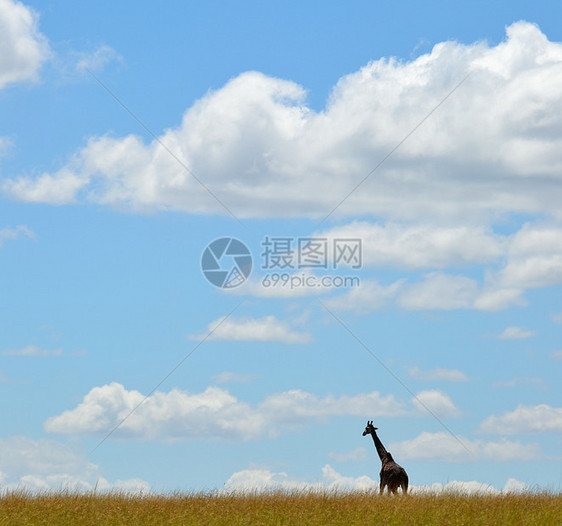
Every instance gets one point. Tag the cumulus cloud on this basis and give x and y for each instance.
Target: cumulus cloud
(23, 49)
(212, 414)
(251, 480)
(435, 291)
(534, 258)
(437, 402)
(516, 333)
(168, 416)
(46, 188)
(528, 258)
(493, 147)
(515, 486)
(40, 465)
(438, 374)
(420, 246)
(495, 299)
(540, 418)
(441, 446)
(265, 329)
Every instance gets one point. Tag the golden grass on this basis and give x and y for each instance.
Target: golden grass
(287, 508)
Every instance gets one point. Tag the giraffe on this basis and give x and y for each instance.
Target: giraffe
(392, 475)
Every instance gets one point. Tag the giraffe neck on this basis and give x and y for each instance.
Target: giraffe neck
(383, 453)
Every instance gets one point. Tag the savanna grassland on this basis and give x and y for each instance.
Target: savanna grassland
(316, 508)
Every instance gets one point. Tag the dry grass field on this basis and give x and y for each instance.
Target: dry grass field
(316, 508)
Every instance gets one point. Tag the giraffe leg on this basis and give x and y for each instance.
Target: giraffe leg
(381, 488)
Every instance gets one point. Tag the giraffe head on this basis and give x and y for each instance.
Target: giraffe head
(370, 428)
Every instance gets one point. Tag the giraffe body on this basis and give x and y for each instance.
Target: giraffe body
(392, 475)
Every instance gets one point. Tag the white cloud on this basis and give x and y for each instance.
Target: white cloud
(39, 465)
(516, 333)
(251, 480)
(557, 318)
(421, 246)
(257, 145)
(441, 446)
(540, 418)
(515, 486)
(57, 190)
(437, 402)
(266, 329)
(8, 233)
(212, 414)
(438, 374)
(98, 59)
(359, 454)
(23, 49)
(412, 247)
(534, 258)
(167, 416)
(437, 291)
(495, 299)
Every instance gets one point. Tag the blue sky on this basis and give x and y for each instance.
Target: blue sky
(280, 110)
